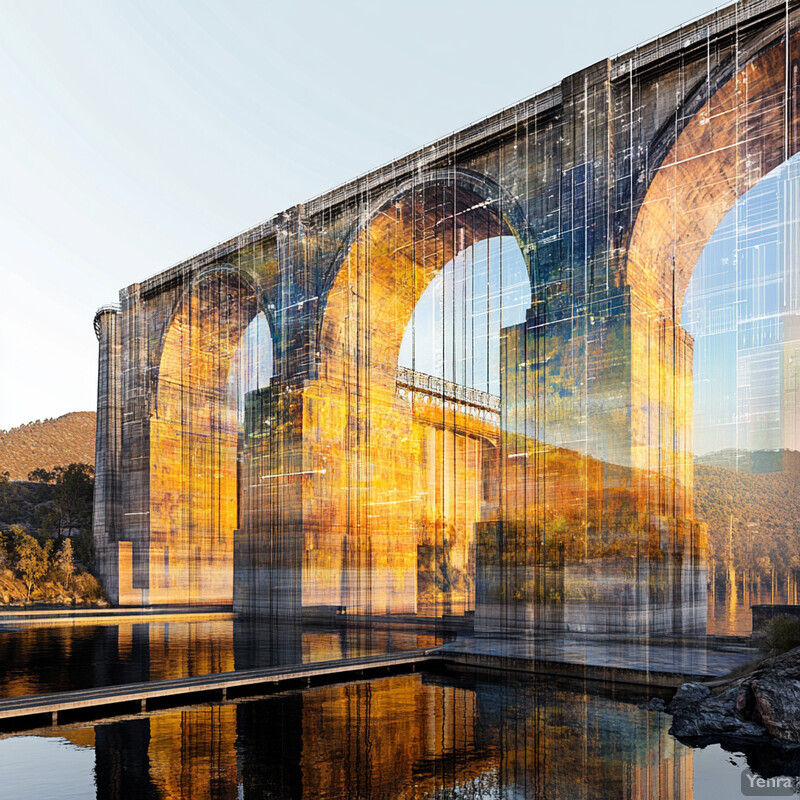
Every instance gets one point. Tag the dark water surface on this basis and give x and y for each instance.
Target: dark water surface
(38, 659)
(416, 736)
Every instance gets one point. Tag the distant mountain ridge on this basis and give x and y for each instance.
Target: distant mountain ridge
(752, 461)
(48, 443)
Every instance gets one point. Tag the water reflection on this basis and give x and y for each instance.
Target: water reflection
(37, 660)
(404, 737)
(41, 659)
(729, 602)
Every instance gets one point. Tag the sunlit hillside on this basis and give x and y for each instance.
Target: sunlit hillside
(48, 443)
(759, 511)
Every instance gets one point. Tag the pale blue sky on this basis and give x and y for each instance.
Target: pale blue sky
(135, 134)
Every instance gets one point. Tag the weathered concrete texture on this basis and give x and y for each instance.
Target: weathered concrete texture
(344, 488)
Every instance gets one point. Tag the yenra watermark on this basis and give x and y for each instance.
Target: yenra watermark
(756, 786)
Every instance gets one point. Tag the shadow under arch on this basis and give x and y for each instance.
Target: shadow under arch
(362, 449)
(193, 442)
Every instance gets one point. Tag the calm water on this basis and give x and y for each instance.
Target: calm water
(418, 736)
(731, 615)
(38, 659)
(413, 736)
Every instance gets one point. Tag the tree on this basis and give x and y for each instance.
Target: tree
(83, 548)
(10, 539)
(65, 562)
(41, 475)
(31, 560)
(72, 500)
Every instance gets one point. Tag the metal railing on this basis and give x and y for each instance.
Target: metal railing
(445, 393)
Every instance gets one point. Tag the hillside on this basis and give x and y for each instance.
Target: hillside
(765, 507)
(48, 443)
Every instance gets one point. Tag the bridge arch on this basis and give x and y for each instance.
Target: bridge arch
(483, 188)
(743, 130)
(403, 239)
(193, 442)
(362, 514)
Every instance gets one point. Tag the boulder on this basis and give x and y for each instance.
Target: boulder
(760, 706)
(687, 695)
(777, 706)
(715, 715)
(655, 704)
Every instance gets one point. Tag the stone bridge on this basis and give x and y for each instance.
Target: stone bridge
(351, 483)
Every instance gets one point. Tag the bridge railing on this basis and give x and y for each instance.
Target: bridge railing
(440, 392)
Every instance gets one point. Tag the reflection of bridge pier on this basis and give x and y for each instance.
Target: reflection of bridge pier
(400, 737)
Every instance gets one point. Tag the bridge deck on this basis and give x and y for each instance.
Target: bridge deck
(20, 713)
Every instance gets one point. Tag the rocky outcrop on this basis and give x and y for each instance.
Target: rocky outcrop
(715, 715)
(688, 695)
(763, 706)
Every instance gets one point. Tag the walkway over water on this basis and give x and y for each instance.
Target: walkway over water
(658, 664)
(20, 713)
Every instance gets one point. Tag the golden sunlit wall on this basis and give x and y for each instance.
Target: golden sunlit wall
(459, 384)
